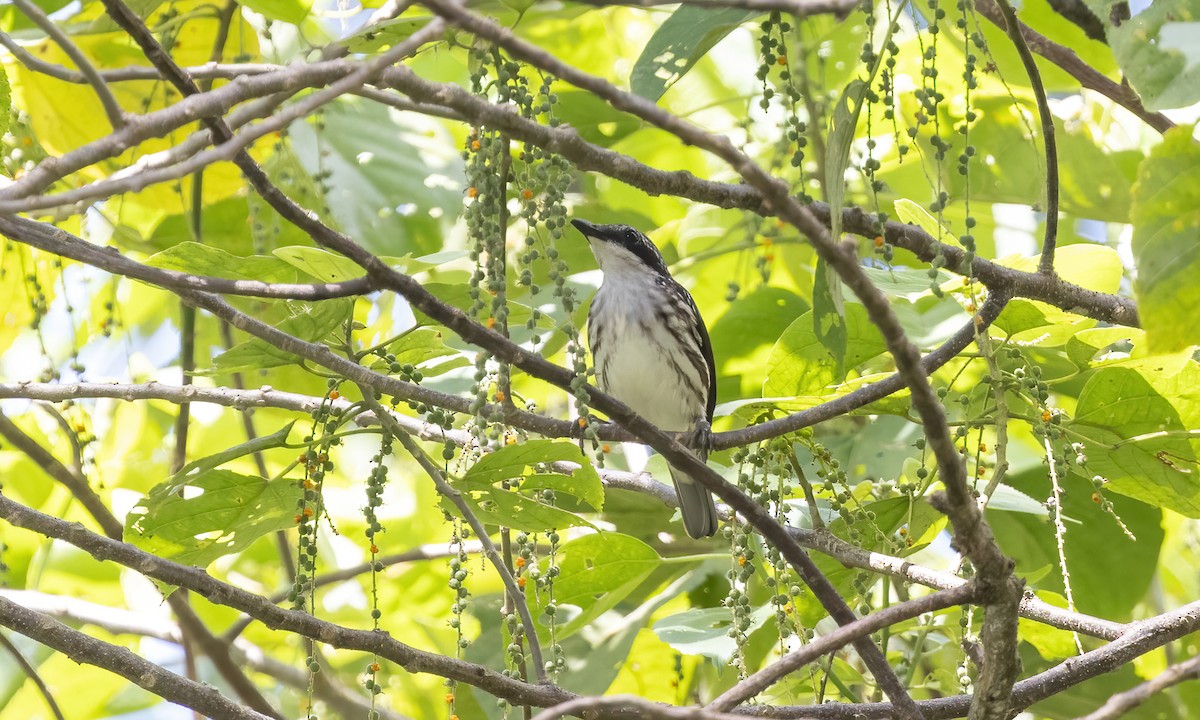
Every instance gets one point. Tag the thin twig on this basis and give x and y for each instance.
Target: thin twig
(32, 673)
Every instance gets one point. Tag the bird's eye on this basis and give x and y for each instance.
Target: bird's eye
(631, 235)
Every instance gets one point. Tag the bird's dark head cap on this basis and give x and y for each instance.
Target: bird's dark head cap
(625, 237)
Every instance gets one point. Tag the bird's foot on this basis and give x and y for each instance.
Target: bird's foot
(700, 438)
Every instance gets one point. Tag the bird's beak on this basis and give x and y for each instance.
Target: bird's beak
(589, 230)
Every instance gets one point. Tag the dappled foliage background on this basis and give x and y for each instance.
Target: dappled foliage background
(1090, 424)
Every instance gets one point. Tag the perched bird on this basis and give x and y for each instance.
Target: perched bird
(652, 352)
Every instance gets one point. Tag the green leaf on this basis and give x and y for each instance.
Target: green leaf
(705, 631)
(913, 214)
(419, 346)
(598, 571)
(289, 11)
(743, 336)
(5, 102)
(204, 464)
(313, 322)
(1094, 545)
(801, 364)
(679, 43)
(1084, 345)
(395, 180)
(511, 461)
(595, 120)
(1166, 242)
(1030, 322)
(829, 315)
(322, 264)
(841, 137)
(1133, 425)
(376, 36)
(216, 513)
(584, 485)
(1158, 50)
(197, 259)
(514, 510)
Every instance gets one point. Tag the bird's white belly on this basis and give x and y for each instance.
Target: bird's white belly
(644, 379)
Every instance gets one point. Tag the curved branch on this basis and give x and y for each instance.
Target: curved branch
(1050, 145)
(50, 239)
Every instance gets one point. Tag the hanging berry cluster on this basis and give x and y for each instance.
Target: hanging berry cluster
(376, 482)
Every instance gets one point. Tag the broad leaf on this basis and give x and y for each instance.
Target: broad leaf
(216, 513)
(1166, 242)
(679, 43)
(313, 322)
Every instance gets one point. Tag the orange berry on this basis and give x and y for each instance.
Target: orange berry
(971, 307)
(1097, 498)
(519, 562)
(474, 144)
(606, 448)
(1046, 415)
(472, 192)
(781, 60)
(978, 320)
(308, 512)
(582, 422)
(879, 241)
(521, 582)
(982, 447)
(527, 194)
(903, 532)
(449, 698)
(741, 561)
(788, 609)
(491, 323)
(334, 394)
(500, 396)
(510, 440)
(298, 518)
(374, 667)
(374, 549)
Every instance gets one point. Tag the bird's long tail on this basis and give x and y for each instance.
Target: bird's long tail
(695, 505)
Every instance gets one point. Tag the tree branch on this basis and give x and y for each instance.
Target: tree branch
(1088, 77)
(839, 638)
(1121, 703)
(196, 580)
(1046, 263)
(115, 659)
